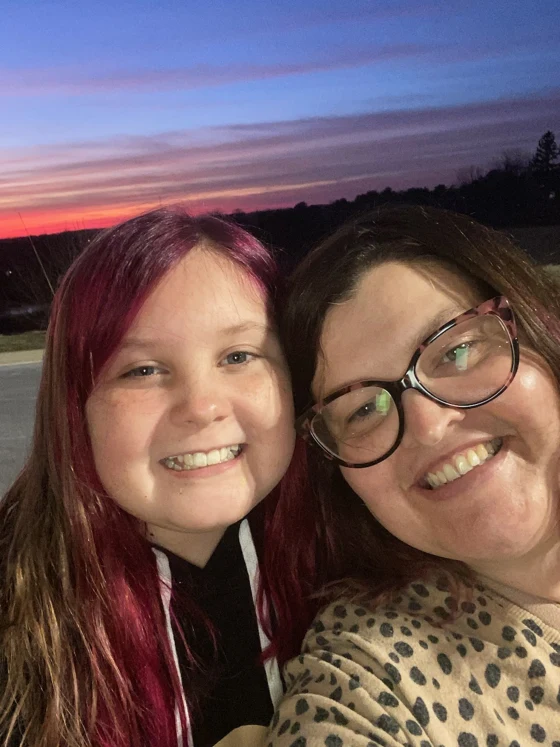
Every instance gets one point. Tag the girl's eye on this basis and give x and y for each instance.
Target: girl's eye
(237, 358)
(141, 372)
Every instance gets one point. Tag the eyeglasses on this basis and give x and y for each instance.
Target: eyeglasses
(466, 363)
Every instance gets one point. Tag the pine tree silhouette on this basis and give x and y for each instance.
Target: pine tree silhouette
(546, 155)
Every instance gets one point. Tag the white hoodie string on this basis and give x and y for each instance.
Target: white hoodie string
(252, 563)
(165, 590)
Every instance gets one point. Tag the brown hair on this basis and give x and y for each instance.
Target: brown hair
(360, 549)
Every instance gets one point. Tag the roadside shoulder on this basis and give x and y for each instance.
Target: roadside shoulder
(19, 357)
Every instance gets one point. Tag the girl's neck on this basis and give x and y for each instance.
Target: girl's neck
(194, 547)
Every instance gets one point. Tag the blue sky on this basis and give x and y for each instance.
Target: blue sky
(112, 107)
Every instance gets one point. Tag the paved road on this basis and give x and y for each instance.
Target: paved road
(18, 389)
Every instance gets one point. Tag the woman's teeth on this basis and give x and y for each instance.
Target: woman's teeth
(198, 459)
(463, 463)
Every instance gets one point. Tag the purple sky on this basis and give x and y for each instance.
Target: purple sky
(111, 108)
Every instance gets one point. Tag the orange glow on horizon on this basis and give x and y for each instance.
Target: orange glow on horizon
(38, 222)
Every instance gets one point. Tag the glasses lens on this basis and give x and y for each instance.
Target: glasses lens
(360, 426)
(469, 363)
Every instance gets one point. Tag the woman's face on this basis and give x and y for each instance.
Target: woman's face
(191, 422)
(504, 508)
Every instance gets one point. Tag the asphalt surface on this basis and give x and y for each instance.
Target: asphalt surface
(18, 390)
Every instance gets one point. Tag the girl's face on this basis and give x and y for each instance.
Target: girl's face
(504, 508)
(191, 422)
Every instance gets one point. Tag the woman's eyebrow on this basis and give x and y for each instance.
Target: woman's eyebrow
(429, 326)
(434, 323)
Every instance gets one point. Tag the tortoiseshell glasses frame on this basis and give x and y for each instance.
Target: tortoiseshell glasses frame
(497, 307)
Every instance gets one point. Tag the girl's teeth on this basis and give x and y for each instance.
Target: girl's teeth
(213, 457)
(200, 459)
(463, 463)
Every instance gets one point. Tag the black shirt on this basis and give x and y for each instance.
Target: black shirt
(232, 688)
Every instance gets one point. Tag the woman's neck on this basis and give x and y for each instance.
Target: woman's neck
(536, 574)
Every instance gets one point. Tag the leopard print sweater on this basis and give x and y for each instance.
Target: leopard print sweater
(428, 670)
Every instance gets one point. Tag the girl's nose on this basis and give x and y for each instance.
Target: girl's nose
(200, 403)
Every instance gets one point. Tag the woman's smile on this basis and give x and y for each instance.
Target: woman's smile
(460, 463)
(469, 484)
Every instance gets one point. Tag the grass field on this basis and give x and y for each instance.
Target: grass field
(25, 341)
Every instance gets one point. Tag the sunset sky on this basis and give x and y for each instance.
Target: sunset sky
(109, 108)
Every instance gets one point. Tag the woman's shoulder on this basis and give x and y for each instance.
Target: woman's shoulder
(432, 661)
(441, 604)
(430, 630)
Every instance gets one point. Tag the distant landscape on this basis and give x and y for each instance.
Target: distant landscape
(519, 194)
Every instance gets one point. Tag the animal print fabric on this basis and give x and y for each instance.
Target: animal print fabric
(428, 670)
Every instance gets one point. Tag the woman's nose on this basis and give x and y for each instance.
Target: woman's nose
(426, 422)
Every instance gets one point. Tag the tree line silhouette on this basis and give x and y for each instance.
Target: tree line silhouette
(518, 189)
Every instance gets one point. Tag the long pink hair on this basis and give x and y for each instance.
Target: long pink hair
(84, 651)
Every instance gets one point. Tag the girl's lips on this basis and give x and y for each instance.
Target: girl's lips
(469, 482)
(210, 470)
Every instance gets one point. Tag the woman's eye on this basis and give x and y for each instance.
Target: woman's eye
(364, 412)
(458, 354)
(237, 358)
(379, 406)
(141, 372)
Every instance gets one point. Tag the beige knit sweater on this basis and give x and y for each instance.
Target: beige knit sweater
(425, 671)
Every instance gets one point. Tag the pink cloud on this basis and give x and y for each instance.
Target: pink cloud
(267, 164)
(49, 82)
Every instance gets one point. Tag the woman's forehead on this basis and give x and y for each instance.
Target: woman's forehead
(394, 307)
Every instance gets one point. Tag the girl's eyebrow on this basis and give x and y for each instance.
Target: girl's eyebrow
(143, 343)
(139, 343)
(247, 327)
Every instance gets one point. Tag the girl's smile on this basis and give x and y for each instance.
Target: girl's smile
(192, 421)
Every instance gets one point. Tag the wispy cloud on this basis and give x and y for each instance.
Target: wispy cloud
(78, 83)
(44, 82)
(263, 164)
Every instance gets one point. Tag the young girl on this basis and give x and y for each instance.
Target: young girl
(129, 576)
(430, 350)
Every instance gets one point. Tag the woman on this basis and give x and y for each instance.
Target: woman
(429, 347)
(131, 612)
